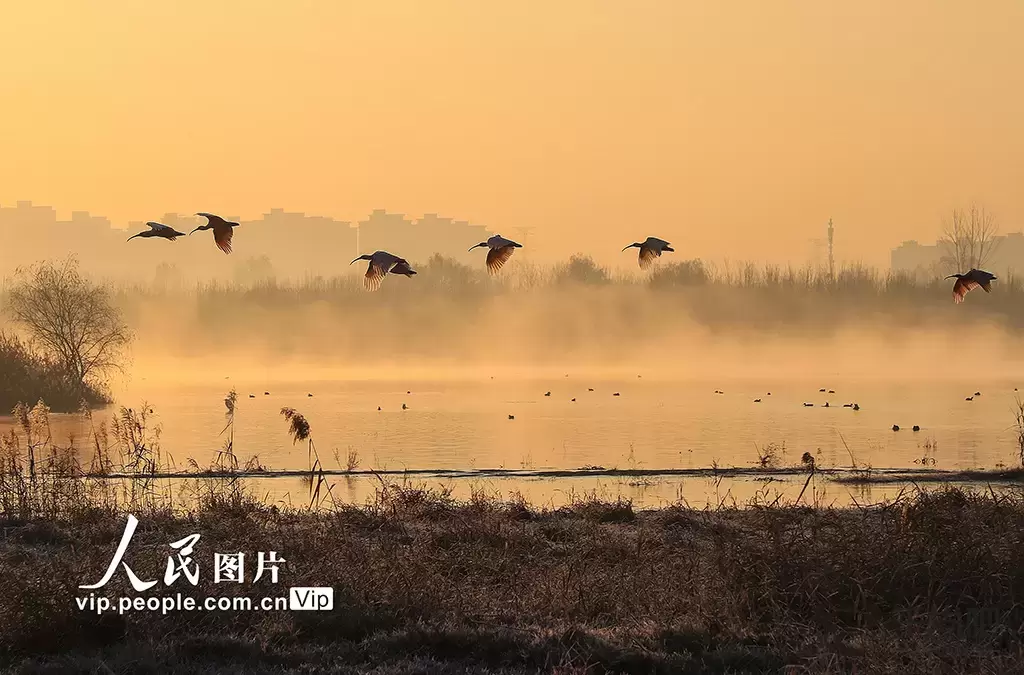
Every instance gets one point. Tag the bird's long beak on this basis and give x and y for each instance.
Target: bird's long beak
(951, 276)
(357, 259)
(630, 246)
(195, 230)
(475, 246)
(131, 237)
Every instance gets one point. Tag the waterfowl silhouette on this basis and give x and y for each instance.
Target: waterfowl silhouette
(968, 282)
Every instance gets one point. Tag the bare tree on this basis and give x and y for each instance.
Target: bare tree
(969, 239)
(71, 318)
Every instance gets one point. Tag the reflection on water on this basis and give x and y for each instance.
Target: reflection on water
(648, 425)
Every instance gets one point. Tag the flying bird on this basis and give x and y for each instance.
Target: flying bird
(403, 268)
(222, 230)
(159, 230)
(501, 250)
(650, 249)
(382, 262)
(966, 283)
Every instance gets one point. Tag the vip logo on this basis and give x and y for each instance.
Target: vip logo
(311, 598)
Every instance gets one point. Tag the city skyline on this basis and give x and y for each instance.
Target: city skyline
(297, 244)
(728, 129)
(329, 239)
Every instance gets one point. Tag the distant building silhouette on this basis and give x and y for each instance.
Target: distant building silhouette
(31, 233)
(920, 260)
(418, 241)
(286, 244)
(926, 260)
(298, 245)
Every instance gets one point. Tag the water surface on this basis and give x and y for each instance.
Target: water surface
(651, 424)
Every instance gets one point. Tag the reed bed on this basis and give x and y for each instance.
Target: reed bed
(717, 296)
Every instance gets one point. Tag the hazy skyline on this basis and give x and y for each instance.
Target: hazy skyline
(734, 130)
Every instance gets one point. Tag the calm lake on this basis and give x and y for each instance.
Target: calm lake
(650, 425)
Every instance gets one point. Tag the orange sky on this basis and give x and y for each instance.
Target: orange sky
(731, 128)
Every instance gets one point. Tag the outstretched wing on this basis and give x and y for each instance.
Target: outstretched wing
(375, 273)
(962, 287)
(497, 257)
(222, 233)
(159, 227)
(983, 278)
(402, 267)
(647, 256)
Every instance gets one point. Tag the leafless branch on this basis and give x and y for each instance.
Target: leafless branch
(70, 317)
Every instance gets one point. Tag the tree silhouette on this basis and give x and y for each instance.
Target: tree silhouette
(968, 239)
(71, 318)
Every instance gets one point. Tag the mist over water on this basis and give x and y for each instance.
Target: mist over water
(464, 359)
(548, 334)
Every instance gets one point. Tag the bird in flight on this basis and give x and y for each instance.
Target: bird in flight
(966, 283)
(403, 268)
(650, 249)
(159, 230)
(222, 230)
(500, 250)
(382, 262)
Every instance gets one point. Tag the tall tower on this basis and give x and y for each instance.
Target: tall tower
(831, 259)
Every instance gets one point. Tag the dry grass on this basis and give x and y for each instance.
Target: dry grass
(424, 583)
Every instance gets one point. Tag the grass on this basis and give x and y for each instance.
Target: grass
(424, 583)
